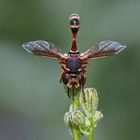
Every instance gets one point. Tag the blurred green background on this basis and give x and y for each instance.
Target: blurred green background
(33, 102)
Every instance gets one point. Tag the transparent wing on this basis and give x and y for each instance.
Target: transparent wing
(102, 49)
(43, 48)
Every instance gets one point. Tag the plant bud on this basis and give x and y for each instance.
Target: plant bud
(97, 117)
(89, 101)
(76, 117)
(66, 118)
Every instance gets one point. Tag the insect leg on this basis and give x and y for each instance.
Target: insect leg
(62, 62)
(82, 88)
(73, 89)
(85, 62)
(68, 92)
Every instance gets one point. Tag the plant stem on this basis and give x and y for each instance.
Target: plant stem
(90, 136)
(75, 130)
(75, 133)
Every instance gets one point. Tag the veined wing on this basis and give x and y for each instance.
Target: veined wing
(43, 48)
(102, 49)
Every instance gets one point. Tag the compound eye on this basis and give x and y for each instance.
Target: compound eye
(74, 21)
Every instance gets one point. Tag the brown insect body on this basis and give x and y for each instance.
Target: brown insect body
(73, 73)
(73, 64)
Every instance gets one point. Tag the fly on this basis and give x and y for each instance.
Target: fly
(73, 64)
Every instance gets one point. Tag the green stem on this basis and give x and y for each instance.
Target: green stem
(75, 130)
(90, 136)
(75, 133)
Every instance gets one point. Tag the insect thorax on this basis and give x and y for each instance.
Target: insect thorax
(73, 64)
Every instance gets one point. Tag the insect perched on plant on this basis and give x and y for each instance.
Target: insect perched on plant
(73, 63)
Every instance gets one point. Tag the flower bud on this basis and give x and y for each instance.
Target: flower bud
(87, 122)
(76, 117)
(97, 117)
(85, 129)
(89, 101)
(66, 118)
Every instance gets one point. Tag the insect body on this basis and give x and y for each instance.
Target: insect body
(73, 64)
